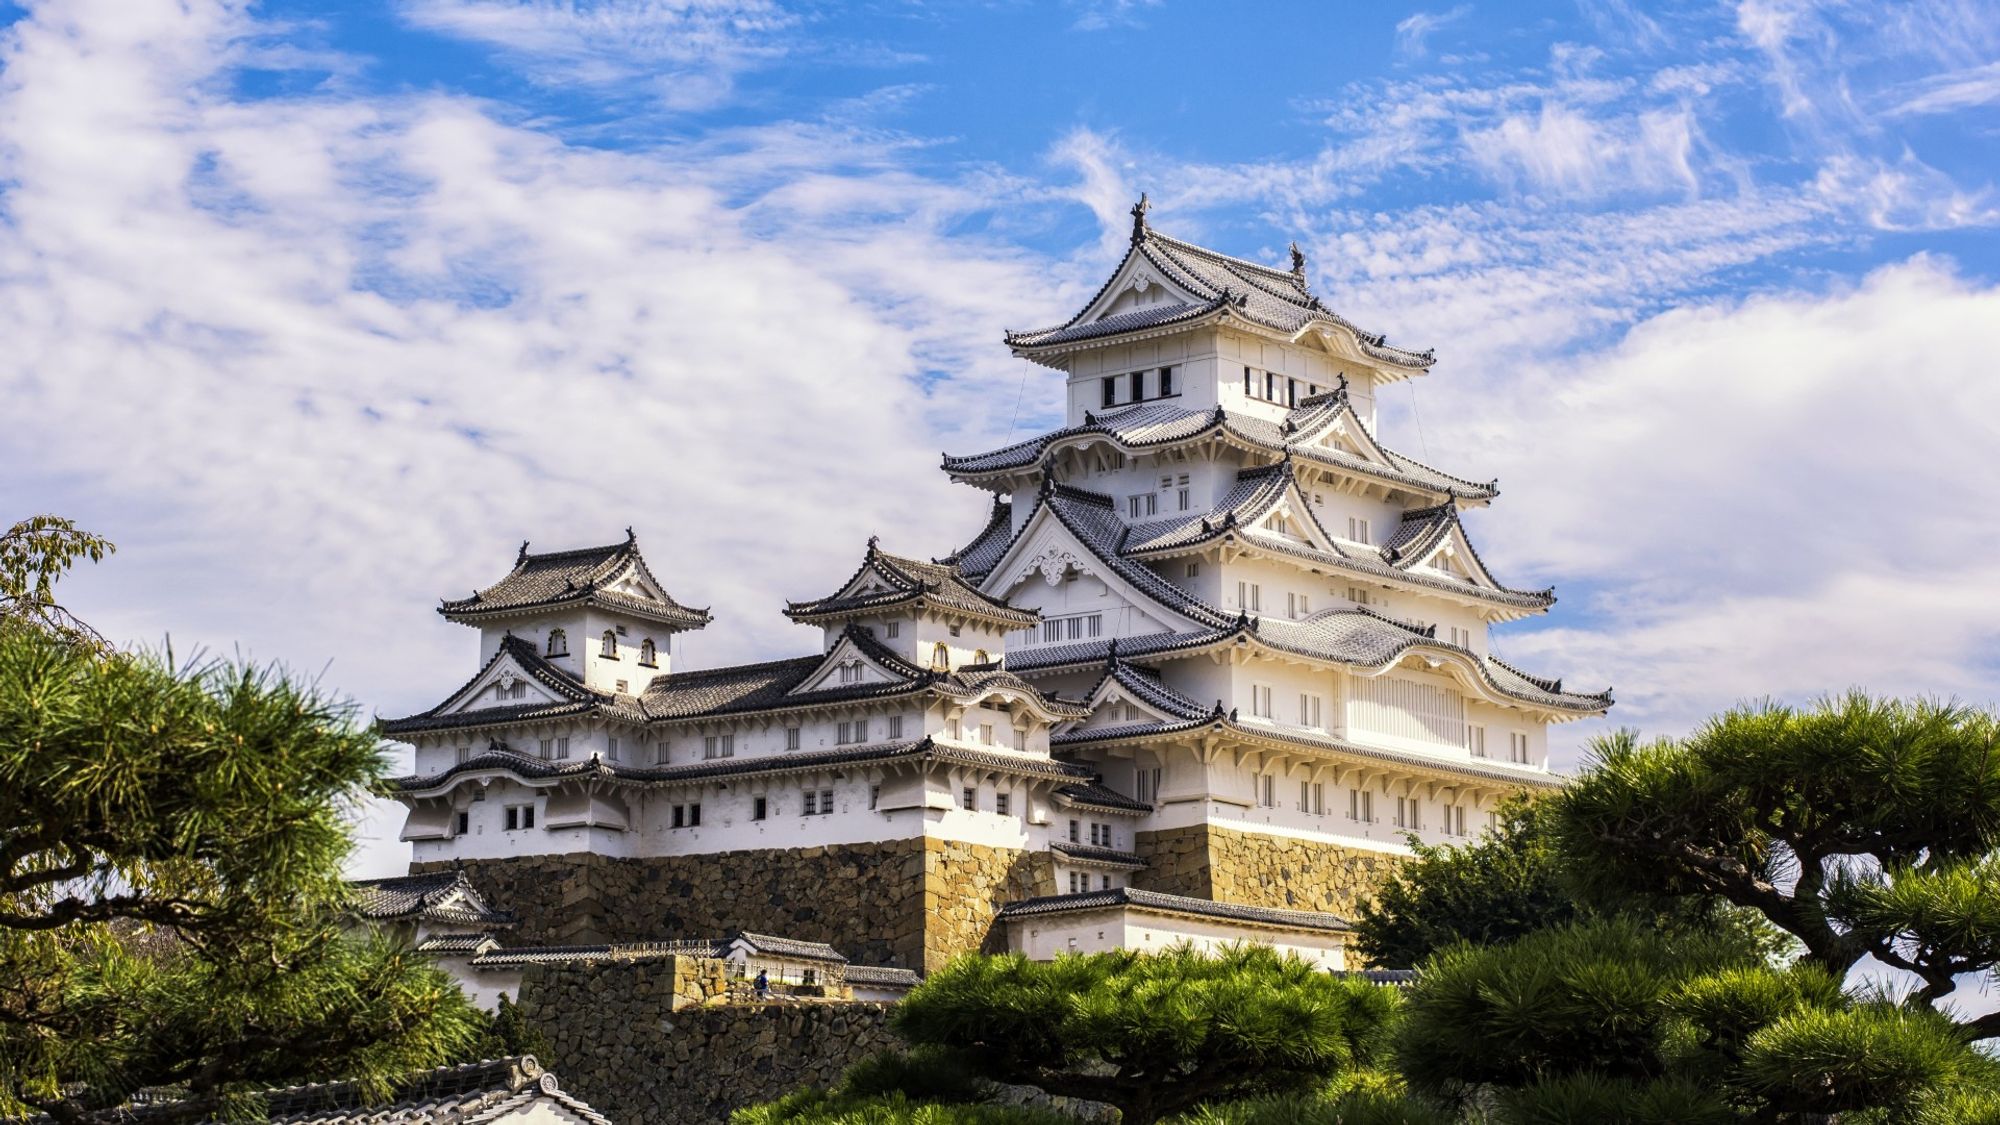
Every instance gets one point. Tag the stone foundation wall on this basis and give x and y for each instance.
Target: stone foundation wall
(615, 1042)
(1228, 865)
(965, 885)
(865, 900)
(915, 903)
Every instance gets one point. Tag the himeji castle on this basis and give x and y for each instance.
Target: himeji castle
(1217, 652)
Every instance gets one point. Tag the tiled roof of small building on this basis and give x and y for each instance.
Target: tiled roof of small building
(434, 896)
(498, 758)
(574, 577)
(1173, 904)
(904, 582)
(977, 559)
(468, 1094)
(1271, 297)
(450, 945)
(572, 697)
(883, 975)
(1102, 857)
(792, 947)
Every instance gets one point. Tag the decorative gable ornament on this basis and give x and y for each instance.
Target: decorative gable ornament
(1055, 564)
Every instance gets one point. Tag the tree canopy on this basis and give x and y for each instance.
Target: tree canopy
(1151, 1034)
(171, 899)
(1861, 827)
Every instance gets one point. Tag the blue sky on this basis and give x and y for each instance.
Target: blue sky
(318, 309)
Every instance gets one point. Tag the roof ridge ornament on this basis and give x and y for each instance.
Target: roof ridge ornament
(1140, 230)
(1298, 261)
(523, 556)
(631, 537)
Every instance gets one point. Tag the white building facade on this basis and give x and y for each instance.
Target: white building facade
(1217, 643)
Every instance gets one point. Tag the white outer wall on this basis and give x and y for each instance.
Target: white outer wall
(1046, 937)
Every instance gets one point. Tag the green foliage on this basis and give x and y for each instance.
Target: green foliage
(1502, 886)
(1584, 999)
(1594, 1099)
(1860, 827)
(817, 1107)
(171, 902)
(34, 553)
(506, 1033)
(927, 1074)
(1151, 1034)
(1871, 1056)
(1353, 1107)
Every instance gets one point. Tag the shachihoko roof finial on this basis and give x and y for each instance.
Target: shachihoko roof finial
(1298, 260)
(630, 535)
(1139, 209)
(523, 556)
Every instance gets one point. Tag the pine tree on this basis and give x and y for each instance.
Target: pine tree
(171, 903)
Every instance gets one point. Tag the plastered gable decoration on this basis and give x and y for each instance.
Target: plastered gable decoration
(1216, 650)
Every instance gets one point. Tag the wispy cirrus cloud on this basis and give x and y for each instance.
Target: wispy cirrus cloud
(687, 53)
(1413, 32)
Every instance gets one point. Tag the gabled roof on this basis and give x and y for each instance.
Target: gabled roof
(1093, 522)
(1173, 904)
(572, 697)
(1145, 685)
(446, 897)
(978, 557)
(1212, 284)
(885, 581)
(1357, 637)
(775, 685)
(1258, 491)
(565, 579)
(1096, 795)
(789, 947)
(1160, 426)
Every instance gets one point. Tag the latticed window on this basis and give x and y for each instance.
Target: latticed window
(608, 646)
(940, 659)
(647, 654)
(558, 643)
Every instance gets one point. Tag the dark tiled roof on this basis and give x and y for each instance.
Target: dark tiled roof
(1100, 796)
(909, 582)
(977, 558)
(1145, 685)
(1090, 517)
(577, 577)
(1274, 298)
(1086, 853)
(1174, 904)
(1159, 425)
(572, 697)
(775, 685)
(1082, 654)
(882, 975)
(526, 768)
(790, 947)
(434, 896)
(1297, 736)
(469, 1094)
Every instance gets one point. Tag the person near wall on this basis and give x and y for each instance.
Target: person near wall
(763, 983)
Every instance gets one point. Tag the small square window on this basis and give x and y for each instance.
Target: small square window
(1000, 803)
(970, 798)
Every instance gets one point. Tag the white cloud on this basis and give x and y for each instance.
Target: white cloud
(314, 363)
(1560, 149)
(1102, 15)
(1413, 31)
(1810, 516)
(687, 52)
(1948, 92)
